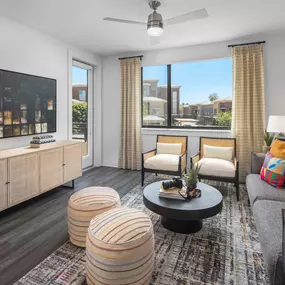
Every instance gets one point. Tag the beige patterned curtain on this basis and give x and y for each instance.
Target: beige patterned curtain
(249, 103)
(130, 144)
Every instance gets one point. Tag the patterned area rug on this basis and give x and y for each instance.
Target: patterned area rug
(225, 251)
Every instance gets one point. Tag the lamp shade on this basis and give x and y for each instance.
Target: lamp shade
(276, 124)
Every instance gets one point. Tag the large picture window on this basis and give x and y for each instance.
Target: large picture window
(154, 99)
(188, 95)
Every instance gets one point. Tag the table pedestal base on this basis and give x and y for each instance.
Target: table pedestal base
(180, 226)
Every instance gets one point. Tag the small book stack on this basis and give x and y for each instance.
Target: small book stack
(38, 141)
(172, 193)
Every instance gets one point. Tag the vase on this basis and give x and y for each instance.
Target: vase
(190, 187)
(266, 149)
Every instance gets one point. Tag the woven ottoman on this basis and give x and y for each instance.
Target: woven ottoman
(86, 204)
(120, 248)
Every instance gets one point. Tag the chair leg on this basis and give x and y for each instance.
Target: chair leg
(142, 176)
(237, 190)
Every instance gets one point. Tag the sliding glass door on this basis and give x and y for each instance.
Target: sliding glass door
(82, 111)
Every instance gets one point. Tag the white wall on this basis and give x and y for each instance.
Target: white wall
(26, 50)
(274, 88)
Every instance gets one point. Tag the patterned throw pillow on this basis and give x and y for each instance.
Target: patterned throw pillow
(273, 170)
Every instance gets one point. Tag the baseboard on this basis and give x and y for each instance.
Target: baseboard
(110, 164)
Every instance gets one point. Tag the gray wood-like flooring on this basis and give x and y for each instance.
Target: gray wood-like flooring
(31, 231)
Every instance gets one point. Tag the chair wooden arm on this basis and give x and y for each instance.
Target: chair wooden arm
(148, 155)
(183, 161)
(195, 158)
(236, 163)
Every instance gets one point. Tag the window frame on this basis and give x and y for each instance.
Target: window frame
(169, 110)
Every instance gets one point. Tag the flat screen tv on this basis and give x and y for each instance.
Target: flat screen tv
(27, 104)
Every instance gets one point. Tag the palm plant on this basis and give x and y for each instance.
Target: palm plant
(192, 177)
(268, 138)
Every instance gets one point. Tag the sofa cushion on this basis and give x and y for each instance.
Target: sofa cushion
(259, 190)
(169, 148)
(216, 167)
(167, 162)
(273, 170)
(218, 152)
(268, 218)
(257, 160)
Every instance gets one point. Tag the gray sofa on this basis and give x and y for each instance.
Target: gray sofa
(268, 204)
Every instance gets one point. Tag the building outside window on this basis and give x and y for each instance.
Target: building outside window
(198, 94)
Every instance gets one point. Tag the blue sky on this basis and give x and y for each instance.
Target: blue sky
(79, 75)
(197, 79)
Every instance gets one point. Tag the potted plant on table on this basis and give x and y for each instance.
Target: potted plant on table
(191, 179)
(268, 139)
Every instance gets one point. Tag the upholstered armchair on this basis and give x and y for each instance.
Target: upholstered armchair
(169, 157)
(217, 160)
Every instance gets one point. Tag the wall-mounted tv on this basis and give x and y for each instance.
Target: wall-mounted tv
(27, 104)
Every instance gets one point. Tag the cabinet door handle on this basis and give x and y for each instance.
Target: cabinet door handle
(7, 183)
(63, 164)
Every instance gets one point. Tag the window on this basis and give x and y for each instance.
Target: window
(188, 95)
(174, 103)
(82, 95)
(154, 111)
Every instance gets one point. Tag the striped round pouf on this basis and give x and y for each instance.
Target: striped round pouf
(86, 204)
(120, 248)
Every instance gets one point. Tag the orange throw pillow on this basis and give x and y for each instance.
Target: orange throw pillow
(278, 149)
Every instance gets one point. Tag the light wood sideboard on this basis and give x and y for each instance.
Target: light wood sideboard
(28, 172)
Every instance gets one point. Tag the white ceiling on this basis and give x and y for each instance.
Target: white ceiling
(80, 22)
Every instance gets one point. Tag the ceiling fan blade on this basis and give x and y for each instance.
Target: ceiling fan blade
(123, 21)
(195, 15)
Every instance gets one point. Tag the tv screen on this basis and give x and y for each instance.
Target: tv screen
(27, 104)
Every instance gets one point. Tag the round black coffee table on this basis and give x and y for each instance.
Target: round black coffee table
(180, 216)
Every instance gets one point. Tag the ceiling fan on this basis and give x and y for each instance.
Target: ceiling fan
(155, 21)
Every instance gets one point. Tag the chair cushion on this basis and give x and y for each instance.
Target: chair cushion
(218, 152)
(268, 218)
(167, 162)
(169, 148)
(259, 190)
(273, 170)
(216, 167)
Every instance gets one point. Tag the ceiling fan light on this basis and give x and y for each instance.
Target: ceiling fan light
(155, 31)
(155, 25)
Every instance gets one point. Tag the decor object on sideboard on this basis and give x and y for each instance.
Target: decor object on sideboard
(27, 104)
(85, 205)
(120, 248)
(38, 141)
(268, 139)
(218, 160)
(169, 157)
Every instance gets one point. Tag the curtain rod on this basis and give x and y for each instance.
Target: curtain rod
(140, 56)
(247, 44)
